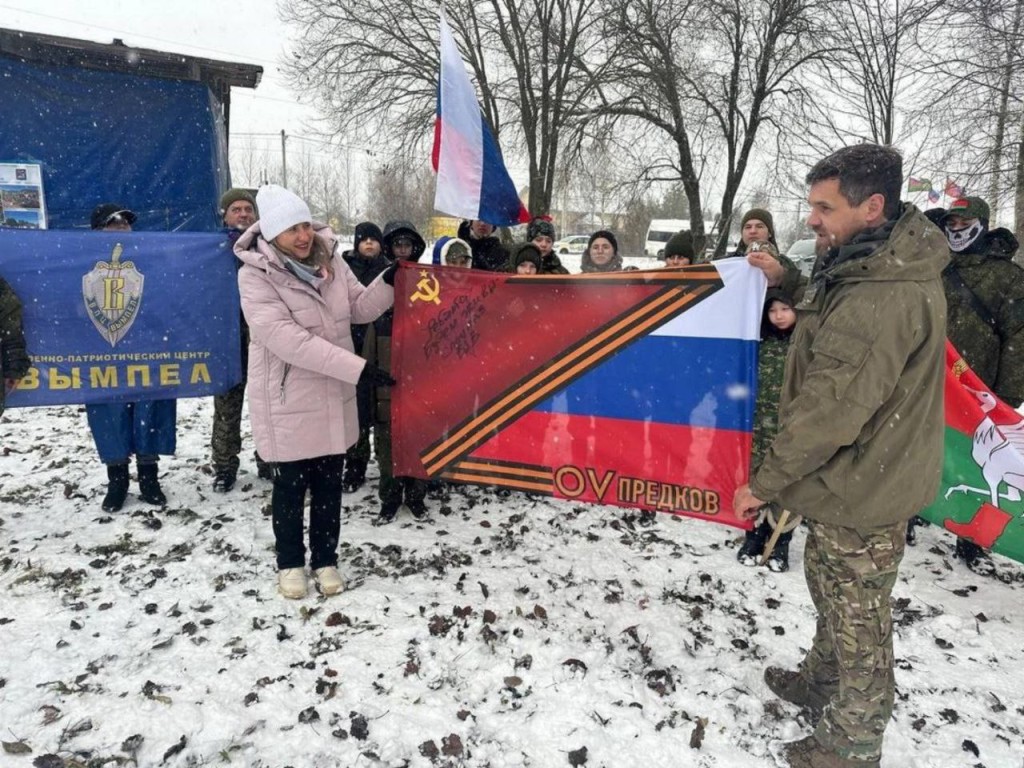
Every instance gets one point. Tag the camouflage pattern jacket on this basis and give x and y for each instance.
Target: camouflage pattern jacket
(992, 346)
(771, 367)
(13, 356)
(861, 420)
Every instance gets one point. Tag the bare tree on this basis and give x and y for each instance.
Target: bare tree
(873, 65)
(977, 72)
(710, 76)
(376, 61)
(401, 188)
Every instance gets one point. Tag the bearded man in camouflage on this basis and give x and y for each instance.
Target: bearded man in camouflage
(860, 441)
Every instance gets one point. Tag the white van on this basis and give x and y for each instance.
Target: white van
(660, 232)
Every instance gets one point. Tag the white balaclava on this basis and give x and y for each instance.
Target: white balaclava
(960, 239)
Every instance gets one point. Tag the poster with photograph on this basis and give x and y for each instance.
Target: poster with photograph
(21, 196)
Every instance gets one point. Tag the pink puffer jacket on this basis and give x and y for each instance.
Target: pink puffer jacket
(302, 366)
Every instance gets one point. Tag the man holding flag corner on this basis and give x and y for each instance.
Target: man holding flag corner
(860, 444)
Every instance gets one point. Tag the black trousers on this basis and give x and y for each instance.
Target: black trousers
(322, 477)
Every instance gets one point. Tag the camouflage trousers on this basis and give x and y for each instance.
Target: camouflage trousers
(226, 443)
(394, 489)
(851, 576)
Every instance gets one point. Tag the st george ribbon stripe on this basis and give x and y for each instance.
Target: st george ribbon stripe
(509, 474)
(576, 361)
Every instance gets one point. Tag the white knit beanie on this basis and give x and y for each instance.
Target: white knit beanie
(279, 210)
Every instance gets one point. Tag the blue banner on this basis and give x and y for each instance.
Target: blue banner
(124, 316)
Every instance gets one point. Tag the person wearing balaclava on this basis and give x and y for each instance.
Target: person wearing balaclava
(984, 318)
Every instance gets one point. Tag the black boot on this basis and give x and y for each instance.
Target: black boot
(753, 544)
(388, 512)
(149, 485)
(224, 479)
(117, 487)
(354, 477)
(778, 560)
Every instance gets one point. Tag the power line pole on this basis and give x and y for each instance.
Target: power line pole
(284, 161)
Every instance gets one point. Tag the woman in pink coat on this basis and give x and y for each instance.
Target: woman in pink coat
(299, 300)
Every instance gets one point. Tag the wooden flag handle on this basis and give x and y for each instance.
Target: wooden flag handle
(781, 526)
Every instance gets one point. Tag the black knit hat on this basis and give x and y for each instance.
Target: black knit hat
(540, 227)
(104, 213)
(526, 252)
(607, 235)
(366, 230)
(760, 214)
(680, 246)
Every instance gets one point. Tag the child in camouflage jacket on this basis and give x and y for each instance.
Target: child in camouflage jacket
(777, 323)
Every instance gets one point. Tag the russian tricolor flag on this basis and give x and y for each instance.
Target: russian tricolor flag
(472, 181)
(640, 395)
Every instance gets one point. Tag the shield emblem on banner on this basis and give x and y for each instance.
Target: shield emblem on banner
(113, 294)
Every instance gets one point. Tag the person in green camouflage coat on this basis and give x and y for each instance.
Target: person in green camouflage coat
(860, 444)
(14, 359)
(777, 323)
(985, 320)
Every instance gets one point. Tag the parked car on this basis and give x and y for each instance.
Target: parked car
(802, 254)
(571, 244)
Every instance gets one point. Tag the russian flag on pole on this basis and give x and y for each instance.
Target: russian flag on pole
(472, 181)
(640, 395)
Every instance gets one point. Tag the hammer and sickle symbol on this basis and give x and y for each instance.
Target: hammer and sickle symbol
(427, 289)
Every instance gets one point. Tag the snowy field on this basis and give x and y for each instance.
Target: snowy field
(525, 632)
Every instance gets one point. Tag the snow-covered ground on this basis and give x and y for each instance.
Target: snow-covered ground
(518, 632)
(498, 633)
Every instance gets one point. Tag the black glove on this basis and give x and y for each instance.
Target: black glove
(375, 377)
(389, 273)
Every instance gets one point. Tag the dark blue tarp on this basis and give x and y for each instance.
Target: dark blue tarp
(155, 146)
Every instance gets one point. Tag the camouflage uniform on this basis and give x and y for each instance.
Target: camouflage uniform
(859, 451)
(14, 359)
(850, 575)
(771, 365)
(994, 350)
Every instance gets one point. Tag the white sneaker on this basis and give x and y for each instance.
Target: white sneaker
(291, 582)
(328, 580)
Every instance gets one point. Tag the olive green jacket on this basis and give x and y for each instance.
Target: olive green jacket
(993, 347)
(860, 441)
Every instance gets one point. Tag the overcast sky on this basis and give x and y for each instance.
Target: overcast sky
(247, 31)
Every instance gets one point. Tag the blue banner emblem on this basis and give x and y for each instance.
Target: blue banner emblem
(124, 316)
